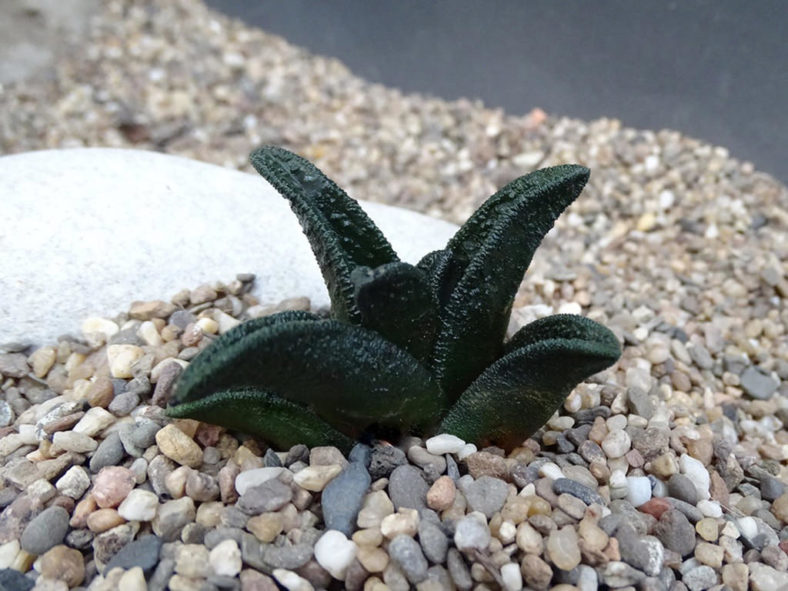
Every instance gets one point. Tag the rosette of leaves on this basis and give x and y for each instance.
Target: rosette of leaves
(408, 348)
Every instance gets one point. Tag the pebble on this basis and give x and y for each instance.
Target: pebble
(192, 560)
(407, 487)
(291, 581)
(444, 444)
(616, 444)
(109, 453)
(486, 495)
(700, 578)
(471, 532)
(315, 478)
(343, 497)
(111, 485)
(72, 441)
(758, 384)
(142, 553)
(250, 478)
(271, 495)
(334, 552)
(172, 516)
(225, 559)
(404, 521)
(638, 490)
(45, 531)
(645, 554)
(384, 459)
(697, 473)
(682, 488)
(64, 564)
(581, 491)
(74, 482)
(178, 446)
(139, 505)
(406, 552)
(675, 532)
(562, 547)
(132, 580)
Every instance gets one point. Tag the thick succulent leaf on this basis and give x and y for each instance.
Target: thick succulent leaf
(341, 234)
(443, 272)
(348, 375)
(492, 252)
(189, 385)
(265, 415)
(396, 301)
(520, 391)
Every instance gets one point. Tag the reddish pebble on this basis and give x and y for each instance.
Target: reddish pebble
(784, 546)
(656, 507)
(112, 485)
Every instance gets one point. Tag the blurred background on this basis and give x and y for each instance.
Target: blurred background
(716, 70)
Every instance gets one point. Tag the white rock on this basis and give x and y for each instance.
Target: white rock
(291, 581)
(42, 490)
(696, 471)
(133, 580)
(551, 470)
(76, 442)
(334, 552)
(710, 508)
(148, 333)
(616, 444)
(225, 558)
(94, 422)
(467, 449)
(511, 576)
(315, 478)
(97, 331)
(74, 482)
(251, 478)
(50, 193)
(638, 490)
(444, 444)
(140, 505)
(8, 552)
(747, 526)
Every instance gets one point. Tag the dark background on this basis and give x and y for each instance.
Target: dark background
(716, 70)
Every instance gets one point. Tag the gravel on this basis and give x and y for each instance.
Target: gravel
(676, 246)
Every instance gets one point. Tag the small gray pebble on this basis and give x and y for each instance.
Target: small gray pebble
(405, 551)
(46, 530)
(109, 453)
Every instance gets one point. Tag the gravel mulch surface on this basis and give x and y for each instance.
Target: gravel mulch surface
(666, 472)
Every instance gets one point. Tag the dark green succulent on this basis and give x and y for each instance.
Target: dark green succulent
(416, 349)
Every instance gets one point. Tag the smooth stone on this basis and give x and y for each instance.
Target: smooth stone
(486, 495)
(407, 488)
(143, 552)
(52, 192)
(256, 476)
(576, 489)
(434, 541)
(334, 552)
(675, 532)
(343, 497)
(758, 384)
(45, 531)
(472, 531)
(13, 580)
(682, 488)
(406, 552)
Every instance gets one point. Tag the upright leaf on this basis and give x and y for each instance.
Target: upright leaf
(265, 415)
(396, 301)
(518, 393)
(492, 251)
(349, 376)
(341, 234)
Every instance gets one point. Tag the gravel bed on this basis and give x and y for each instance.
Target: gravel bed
(666, 472)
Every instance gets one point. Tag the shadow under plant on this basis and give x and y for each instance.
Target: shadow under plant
(408, 349)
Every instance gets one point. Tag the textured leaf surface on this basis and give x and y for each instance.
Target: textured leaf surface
(341, 234)
(191, 384)
(349, 375)
(491, 252)
(265, 415)
(518, 393)
(396, 301)
(443, 272)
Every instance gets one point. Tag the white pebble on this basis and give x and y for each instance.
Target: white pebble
(467, 449)
(225, 558)
(618, 479)
(334, 552)
(8, 552)
(133, 580)
(697, 473)
(74, 482)
(570, 308)
(76, 442)
(251, 478)
(444, 444)
(616, 422)
(121, 358)
(291, 581)
(550, 470)
(140, 505)
(94, 422)
(710, 508)
(148, 333)
(638, 490)
(616, 444)
(512, 577)
(747, 526)
(97, 331)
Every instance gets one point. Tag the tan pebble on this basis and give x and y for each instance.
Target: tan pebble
(103, 520)
(315, 478)
(112, 485)
(709, 554)
(175, 481)
(133, 580)
(210, 514)
(42, 361)
(375, 584)
(100, 392)
(646, 222)
(536, 572)
(73, 441)
(780, 508)
(404, 521)
(594, 536)
(707, 529)
(374, 560)
(149, 310)
(516, 509)
(64, 564)
(149, 333)
(368, 537)
(121, 358)
(736, 576)
(482, 463)
(266, 526)
(528, 539)
(97, 331)
(562, 546)
(376, 506)
(665, 465)
(178, 446)
(81, 512)
(23, 561)
(440, 495)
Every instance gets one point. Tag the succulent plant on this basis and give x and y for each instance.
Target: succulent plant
(407, 349)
